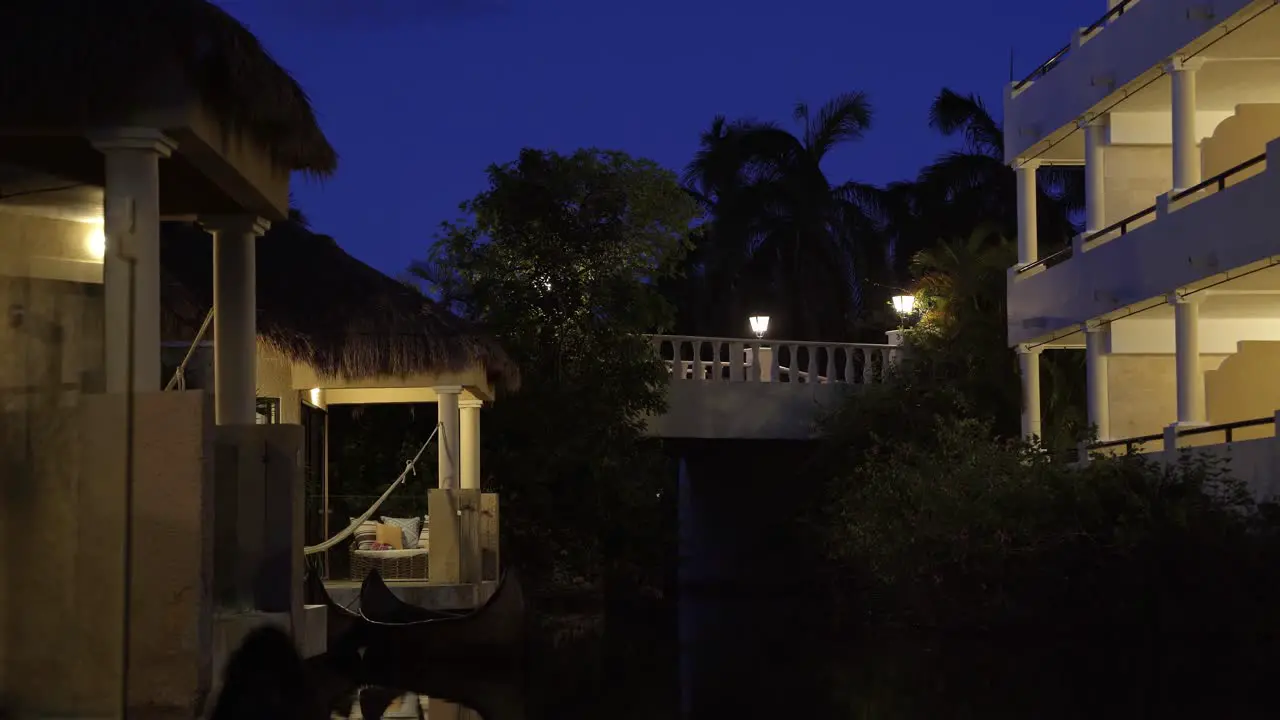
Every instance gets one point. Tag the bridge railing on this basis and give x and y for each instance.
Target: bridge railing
(712, 359)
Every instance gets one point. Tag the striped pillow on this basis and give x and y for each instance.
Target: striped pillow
(409, 528)
(424, 537)
(365, 535)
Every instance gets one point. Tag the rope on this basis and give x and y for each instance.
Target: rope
(409, 467)
(179, 379)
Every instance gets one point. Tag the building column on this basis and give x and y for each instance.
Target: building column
(1028, 231)
(1186, 329)
(1186, 151)
(448, 440)
(131, 261)
(469, 442)
(1029, 370)
(1095, 172)
(1097, 342)
(235, 317)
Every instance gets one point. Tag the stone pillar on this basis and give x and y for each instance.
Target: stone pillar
(1095, 171)
(469, 442)
(764, 361)
(1096, 346)
(1028, 236)
(1186, 151)
(131, 261)
(1186, 328)
(235, 322)
(1029, 369)
(448, 439)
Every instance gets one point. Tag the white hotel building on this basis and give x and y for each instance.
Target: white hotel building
(1172, 291)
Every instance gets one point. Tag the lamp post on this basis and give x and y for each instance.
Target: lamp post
(763, 360)
(905, 306)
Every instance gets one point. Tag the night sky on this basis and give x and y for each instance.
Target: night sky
(420, 96)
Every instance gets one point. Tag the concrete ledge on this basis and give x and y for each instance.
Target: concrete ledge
(432, 596)
(313, 637)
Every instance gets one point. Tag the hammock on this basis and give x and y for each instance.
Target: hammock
(408, 468)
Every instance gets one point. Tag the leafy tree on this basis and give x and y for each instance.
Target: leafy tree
(561, 258)
(964, 190)
(781, 236)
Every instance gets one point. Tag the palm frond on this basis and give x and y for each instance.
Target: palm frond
(843, 118)
(953, 113)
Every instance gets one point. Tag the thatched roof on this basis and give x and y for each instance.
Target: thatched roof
(320, 306)
(90, 63)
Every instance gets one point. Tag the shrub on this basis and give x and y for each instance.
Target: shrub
(949, 526)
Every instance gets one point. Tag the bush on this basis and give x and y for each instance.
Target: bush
(949, 526)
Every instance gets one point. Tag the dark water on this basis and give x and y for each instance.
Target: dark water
(718, 658)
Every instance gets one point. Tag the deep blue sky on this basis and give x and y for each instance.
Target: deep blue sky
(420, 96)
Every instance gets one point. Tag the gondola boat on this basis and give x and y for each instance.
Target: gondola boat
(342, 625)
(493, 631)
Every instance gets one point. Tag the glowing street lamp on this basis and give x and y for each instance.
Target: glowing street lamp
(759, 325)
(904, 305)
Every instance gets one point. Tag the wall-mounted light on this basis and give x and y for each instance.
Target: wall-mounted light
(315, 396)
(95, 242)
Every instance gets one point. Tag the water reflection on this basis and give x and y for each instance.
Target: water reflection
(725, 657)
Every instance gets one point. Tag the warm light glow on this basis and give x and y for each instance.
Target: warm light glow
(315, 396)
(95, 243)
(759, 324)
(904, 304)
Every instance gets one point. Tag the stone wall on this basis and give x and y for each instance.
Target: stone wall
(65, 520)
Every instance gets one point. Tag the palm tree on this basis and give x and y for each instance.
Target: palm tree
(972, 187)
(780, 235)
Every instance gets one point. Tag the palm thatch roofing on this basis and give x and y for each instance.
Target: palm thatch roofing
(320, 306)
(92, 63)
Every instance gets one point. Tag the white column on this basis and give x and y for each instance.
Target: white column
(448, 440)
(1186, 153)
(1186, 328)
(1095, 172)
(1096, 342)
(469, 442)
(131, 264)
(235, 317)
(1029, 370)
(1028, 235)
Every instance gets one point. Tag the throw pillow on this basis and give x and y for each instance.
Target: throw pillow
(365, 535)
(390, 535)
(409, 527)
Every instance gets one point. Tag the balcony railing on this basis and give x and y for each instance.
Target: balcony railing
(709, 359)
(1220, 181)
(1182, 198)
(1226, 431)
(1056, 58)
(1122, 227)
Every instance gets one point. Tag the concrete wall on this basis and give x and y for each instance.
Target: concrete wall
(1092, 76)
(1143, 392)
(1134, 176)
(64, 516)
(1245, 387)
(1185, 245)
(1239, 138)
(50, 249)
(739, 410)
(1253, 462)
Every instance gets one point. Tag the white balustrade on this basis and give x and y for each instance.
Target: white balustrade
(708, 359)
